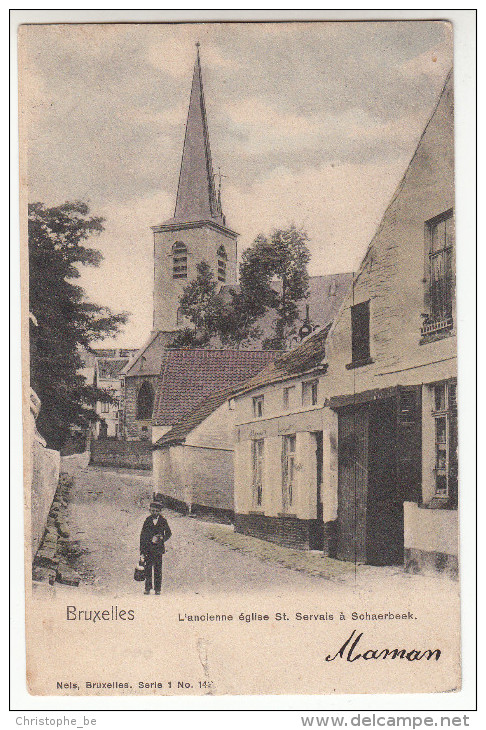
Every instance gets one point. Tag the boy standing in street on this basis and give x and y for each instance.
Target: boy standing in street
(155, 532)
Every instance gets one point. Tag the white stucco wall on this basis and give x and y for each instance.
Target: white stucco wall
(431, 530)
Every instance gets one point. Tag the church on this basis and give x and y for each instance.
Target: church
(197, 232)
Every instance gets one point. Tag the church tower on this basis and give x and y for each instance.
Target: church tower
(198, 230)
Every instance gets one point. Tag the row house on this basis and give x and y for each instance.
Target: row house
(283, 449)
(368, 468)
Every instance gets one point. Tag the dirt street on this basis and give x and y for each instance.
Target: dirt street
(105, 516)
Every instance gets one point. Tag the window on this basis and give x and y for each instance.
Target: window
(105, 407)
(179, 261)
(257, 447)
(288, 395)
(222, 259)
(445, 432)
(145, 402)
(258, 406)
(309, 392)
(360, 334)
(440, 241)
(288, 471)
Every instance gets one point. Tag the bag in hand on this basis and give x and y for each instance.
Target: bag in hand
(139, 573)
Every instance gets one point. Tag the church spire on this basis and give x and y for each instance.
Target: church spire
(196, 193)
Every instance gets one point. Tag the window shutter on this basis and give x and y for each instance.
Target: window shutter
(453, 466)
(409, 442)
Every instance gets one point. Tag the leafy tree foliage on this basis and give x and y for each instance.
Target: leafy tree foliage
(273, 276)
(199, 304)
(280, 259)
(63, 321)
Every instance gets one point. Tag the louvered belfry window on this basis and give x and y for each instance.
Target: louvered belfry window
(179, 261)
(222, 259)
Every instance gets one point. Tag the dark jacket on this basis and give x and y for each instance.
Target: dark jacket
(149, 530)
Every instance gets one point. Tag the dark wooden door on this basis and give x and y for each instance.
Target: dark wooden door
(352, 484)
(316, 536)
(384, 540)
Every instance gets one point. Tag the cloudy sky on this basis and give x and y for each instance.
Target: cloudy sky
(309, 122)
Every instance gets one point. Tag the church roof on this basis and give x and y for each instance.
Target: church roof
(197, 199)
(150, 358)
(326, 295)
(189, 376)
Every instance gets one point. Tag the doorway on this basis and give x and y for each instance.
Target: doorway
(370, 500)
(316, 533)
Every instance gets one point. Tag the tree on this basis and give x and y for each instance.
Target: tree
(199, 304)
(273, 276)
(63, 321)
(275, 270)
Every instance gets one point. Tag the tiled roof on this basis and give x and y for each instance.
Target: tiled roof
(151, 356)
(208, 405)
(190, 375)
(303, 358)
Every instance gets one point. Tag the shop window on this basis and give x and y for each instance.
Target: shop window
(445, 435)
(310, 390)
(288, 396)
(257, 461)
(288, 470)
(145, 402)
(360, 335)
(222, 261)
(439, 241)
(179, 261)
(258, 406)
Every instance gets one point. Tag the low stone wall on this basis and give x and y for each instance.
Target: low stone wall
(69, 464)
(431, 539)
(45, 479)
(128, 454)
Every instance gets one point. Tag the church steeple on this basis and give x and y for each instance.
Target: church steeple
(197, 199)
(198, 230)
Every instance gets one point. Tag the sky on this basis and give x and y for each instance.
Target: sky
(312, 123)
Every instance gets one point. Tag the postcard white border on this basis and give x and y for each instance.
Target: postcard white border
(464, 72)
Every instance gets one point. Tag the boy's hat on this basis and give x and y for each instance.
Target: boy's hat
(155, 504)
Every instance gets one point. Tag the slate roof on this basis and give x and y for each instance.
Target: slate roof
(326, 294)
(208, 405)
(197, 199)
(189, 376)
(307, 356)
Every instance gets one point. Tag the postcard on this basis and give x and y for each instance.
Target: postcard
(240, 362)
